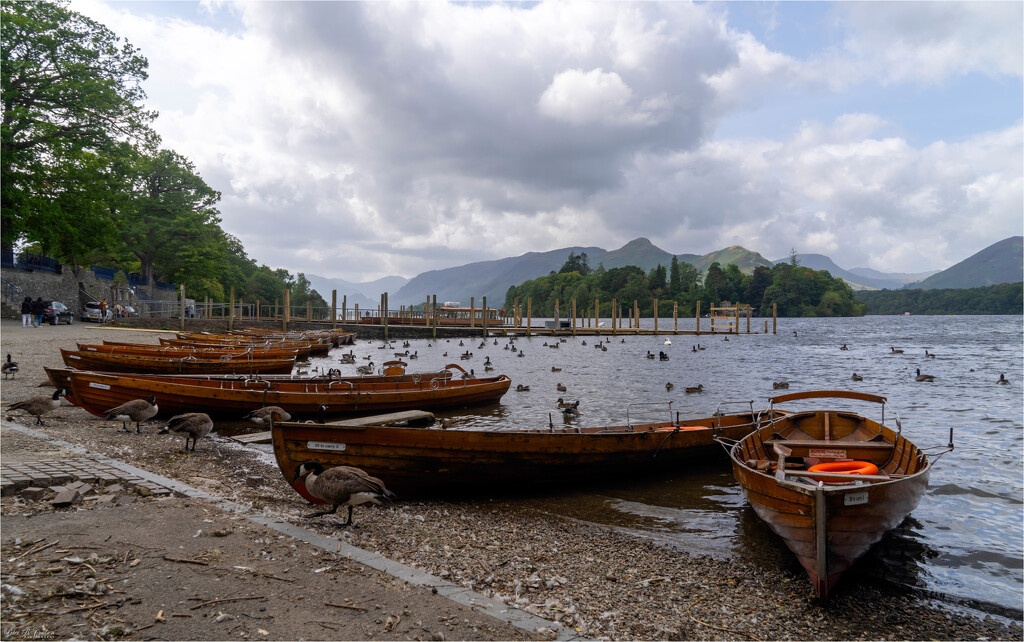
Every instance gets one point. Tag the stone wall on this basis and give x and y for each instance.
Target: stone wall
(70, 289)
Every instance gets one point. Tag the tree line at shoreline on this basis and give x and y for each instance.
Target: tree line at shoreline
(794, 290)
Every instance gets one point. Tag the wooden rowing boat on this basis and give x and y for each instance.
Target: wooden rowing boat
(181, 364)
(320, 348)
(233, 397)
(337, 336)
(184, 351)
(417, 460)
(829, 519)
(390, 371)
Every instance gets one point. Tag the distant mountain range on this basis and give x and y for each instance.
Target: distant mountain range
(998, 263)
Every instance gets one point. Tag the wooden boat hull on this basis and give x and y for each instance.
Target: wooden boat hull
(829, 521)
(413, 461)
(116, 347)
(157, 364)
(232, 398)
(305, 349)
(336, 336)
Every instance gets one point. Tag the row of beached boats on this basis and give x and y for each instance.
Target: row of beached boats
(830, 483)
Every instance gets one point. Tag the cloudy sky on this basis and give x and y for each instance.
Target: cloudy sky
(359, 140)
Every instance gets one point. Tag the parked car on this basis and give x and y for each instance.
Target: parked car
(91, 312)
(55, 312)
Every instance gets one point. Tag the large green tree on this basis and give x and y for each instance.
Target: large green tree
(171, 224)
(71, 95)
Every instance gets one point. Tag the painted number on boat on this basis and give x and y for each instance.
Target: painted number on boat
(325, 445)
(854, 499)
(821, 453)
(101, 386)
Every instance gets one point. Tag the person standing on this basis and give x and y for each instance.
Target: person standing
(37, 311)
(26, 312)
(103, 311)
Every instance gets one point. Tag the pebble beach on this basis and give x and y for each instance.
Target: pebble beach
(596, 581)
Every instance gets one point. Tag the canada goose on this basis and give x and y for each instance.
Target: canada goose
(725, 338)
(39, 406)
(9, 367)
(894, 351)
(843, 347)
(930, 355)
(649, 355)
(669, 386)
(405, 344)
(482, 345)
(137, 410)
(193, 424)
(584, 342)
(857, 377)
(495, 342)
(563, 404)
(267, 415)
(488, 368)
(461, 343)
(520, 354)
(1003, 380)
(522, 388)
(341, 486)
(367, 369)
(924, 377)
(698, 388)
(604, 348)
(780, 385)
(694, 349)
(554, 369)
(487, 361)
(402, 354)
(662, 356)
(466, 355)
(560, 388)
(415, 355)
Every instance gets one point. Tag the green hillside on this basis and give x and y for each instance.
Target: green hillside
(1001, 262)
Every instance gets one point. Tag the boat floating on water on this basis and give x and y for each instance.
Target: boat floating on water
(830, 483)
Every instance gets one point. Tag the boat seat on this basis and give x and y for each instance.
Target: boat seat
(835, 443)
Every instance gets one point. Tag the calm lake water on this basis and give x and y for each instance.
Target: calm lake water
(963, 543)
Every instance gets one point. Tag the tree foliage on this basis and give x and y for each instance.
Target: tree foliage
(82, 177)
(71, 95)
(1005, 298)
(798, 291)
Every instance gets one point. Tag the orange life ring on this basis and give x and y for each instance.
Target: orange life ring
(845, 467)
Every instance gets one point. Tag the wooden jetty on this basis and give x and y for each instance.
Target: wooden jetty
(410, 417)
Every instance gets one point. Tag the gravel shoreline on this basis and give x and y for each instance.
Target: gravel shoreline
(599, 581)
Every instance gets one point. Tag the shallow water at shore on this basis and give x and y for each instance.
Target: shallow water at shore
(963, 542)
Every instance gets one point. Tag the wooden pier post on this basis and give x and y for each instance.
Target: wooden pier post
(529, 314)
(615, 316)
(675, 316)
(597, 314)
(334, 309)
(775, 318)
(287, 309)
(384, 313)
(574, 316)
(433, 314)
(472, 312)
(483, 304)
(555, 331)
(258, 317)
(748, 319)
(181, 315)
(636, 316)
(698, 317)
(231, 317)
(655, 315)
